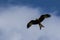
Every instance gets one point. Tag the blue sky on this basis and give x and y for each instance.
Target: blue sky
(46, 5)
(15, 14)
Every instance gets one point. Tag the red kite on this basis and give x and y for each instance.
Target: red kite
(38, 21)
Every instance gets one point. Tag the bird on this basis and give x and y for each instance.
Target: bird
(38, 21)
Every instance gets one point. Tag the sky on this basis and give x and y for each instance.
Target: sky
(15, 14)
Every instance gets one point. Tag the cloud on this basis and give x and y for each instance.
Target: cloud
(52, 28)
(13, 21)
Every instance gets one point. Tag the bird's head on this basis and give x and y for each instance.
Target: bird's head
(47, 15)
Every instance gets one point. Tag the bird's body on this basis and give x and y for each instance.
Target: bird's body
(38, 21)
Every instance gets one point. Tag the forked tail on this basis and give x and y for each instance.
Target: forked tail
(40, 26)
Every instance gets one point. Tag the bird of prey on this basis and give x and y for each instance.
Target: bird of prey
(38, 21)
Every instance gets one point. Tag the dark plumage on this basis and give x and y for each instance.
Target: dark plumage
(38, 21)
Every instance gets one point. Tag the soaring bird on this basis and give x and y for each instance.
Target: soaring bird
(38, 21)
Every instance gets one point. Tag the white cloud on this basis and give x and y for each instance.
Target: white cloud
(13, 21)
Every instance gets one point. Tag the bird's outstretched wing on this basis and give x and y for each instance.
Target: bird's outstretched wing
(42, 17)
(29, 24)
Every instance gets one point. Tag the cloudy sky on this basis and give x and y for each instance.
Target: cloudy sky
(15, 14)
